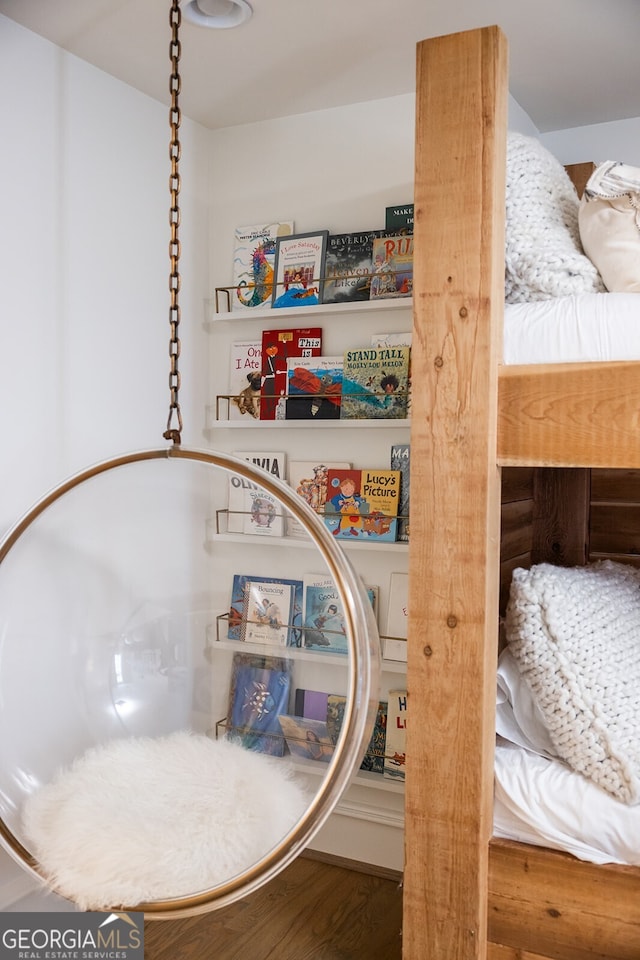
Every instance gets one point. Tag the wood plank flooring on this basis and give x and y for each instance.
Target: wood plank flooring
(311, 911)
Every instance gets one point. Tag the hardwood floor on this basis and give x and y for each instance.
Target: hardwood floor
(311, 911)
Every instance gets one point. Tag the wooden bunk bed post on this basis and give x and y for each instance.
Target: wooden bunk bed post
(461, 124)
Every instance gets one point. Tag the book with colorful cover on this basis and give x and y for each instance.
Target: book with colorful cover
(277, 347)
(306, 738)
(324, 623)
(402, 339)
(348, 266)
(236, 606)
(396, 631)
(254, 254)
(400, 459)
(264, 514)
(298, 266)
(258, 693)
(243, 493)
(245, 379)
(395, 753)
(399, 218)
(392, 267)
(373, 760)
(375, 383)
(314, 388)
(266, 613)
(363, 504)
(309, 479)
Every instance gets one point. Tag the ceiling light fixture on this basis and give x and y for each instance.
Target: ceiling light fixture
(217, 14)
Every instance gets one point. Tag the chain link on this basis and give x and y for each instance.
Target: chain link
(174, 433)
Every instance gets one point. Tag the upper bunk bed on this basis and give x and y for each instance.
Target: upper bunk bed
(466, 895)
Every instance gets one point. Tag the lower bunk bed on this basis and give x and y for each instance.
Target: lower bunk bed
(469, 893)
(563, 874)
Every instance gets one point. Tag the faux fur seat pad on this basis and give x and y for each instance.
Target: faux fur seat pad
(575, 634)
(150, 819)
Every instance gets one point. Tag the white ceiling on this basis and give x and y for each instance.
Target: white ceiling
(573, 62)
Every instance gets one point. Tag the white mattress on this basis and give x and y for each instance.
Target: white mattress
(591, 326)
(539, 799)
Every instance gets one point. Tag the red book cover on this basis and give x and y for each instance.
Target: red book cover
(277, 345)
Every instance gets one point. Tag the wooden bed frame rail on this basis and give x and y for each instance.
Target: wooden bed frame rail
(467, 897)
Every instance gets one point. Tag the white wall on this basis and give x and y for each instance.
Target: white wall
(618, 140)
(84, 264)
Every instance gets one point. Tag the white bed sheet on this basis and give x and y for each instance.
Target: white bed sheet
(539, 799)
(591, 326)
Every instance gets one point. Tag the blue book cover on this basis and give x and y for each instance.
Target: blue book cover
(237, 607)
(401, 460)
(311, 704)
(259, 694)
(324, 625)
(374, 757)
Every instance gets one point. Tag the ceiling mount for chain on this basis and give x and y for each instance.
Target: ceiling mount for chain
(174, 421)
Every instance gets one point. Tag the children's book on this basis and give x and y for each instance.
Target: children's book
(363, 504)
(314, 388)
(399, 218)
(258, 694)
(309, 479)
(392, 339)
(348, 266)
(236, 607)
(266, 614)
(298, 266)
(400, 459)
(311, 704)
(374, 757)
(395, 749)
(245, 379)
(307, 739)
(395, 640)
(324, 625)
(253, 262)
(375, 383)
(277, 346)
(392, 267)
(246, 513)
(264, 515)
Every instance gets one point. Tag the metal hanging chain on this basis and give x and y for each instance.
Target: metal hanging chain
(173, 433)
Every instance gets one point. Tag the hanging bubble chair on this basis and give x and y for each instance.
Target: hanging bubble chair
(150, 755)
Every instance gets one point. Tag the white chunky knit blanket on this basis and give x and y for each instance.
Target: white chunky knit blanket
(543, 253)
(575, 634)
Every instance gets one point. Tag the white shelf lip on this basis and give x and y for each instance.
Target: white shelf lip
(400, 546)
(297, 653)
(366, 424)
(279, 316)
(363, 778)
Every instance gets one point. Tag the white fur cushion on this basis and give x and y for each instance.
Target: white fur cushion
(543, 253)
(575, 635)
(149, 819)
(609, 219)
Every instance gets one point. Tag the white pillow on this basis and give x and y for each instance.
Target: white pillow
(518, 717)
(609, 220)
(575, 634)
(544, 802)
(543, 253)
